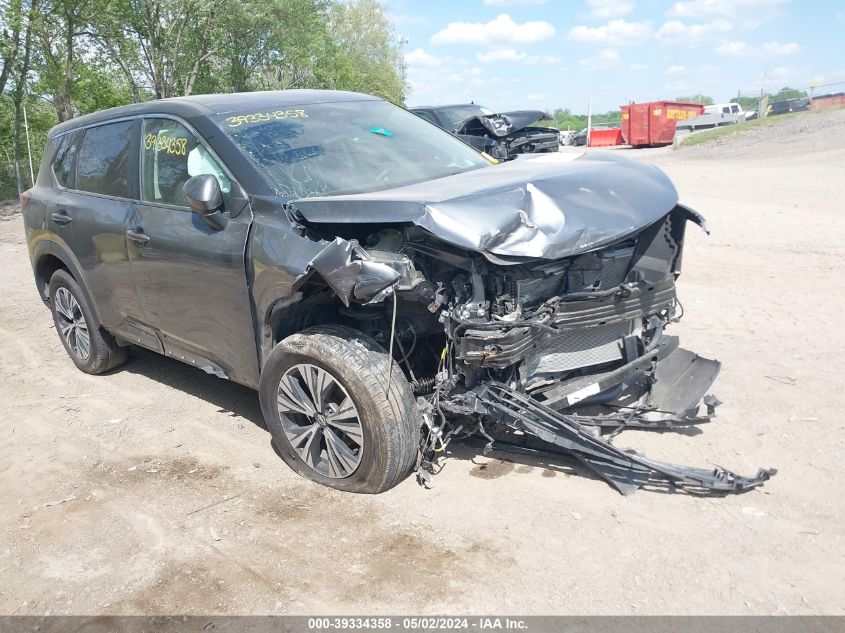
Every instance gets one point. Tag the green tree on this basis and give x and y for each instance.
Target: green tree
(11, 24)
(749, 104)
(365, 57)
(300, 48)
(788, 93)
(78, 56)
(59, 26)
(174, 39)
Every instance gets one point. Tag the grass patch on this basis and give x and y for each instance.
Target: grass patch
(716, 133)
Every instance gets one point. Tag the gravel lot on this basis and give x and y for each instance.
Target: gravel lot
(154, 489)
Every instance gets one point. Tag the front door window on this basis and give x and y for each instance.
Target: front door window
(171, 155)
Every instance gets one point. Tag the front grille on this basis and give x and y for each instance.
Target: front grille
(580, 348)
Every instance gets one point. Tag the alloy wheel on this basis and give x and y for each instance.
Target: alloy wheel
(320, 421)
(72, 325)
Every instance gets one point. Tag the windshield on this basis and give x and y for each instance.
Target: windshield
(346, 147)
(454, 116)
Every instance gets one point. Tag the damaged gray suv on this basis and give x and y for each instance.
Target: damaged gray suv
(384, 287)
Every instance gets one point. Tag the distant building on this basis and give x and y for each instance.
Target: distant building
(828, 102)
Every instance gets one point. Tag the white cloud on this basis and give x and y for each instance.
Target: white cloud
(614, 33)
(677, 86)
(638, 67)
(676, 69)
(544, 59)
(427, 73)
(607, 9)
(511, 55)
(767, 49)
(604, 60)
(675, 31)
(732, 49)
(710, 69)
(419, 57)
(749, 13)
(514, 3)
(501, 55)
(776, 48)
(501, 29)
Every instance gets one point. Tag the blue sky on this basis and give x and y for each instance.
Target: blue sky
(509, 54)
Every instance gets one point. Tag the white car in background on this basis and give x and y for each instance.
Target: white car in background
(728, 108)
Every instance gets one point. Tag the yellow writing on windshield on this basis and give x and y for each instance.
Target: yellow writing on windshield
(259, 117)
(168, 144)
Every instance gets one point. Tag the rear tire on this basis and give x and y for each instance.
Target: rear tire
(91, 349)
(354, 435)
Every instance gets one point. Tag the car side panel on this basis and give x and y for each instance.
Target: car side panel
(193, 285)
(97, 238)
(85, 232)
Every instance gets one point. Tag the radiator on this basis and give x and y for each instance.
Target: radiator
(580, 348)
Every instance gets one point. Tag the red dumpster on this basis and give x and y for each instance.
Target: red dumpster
(654, 123)
(605, 138)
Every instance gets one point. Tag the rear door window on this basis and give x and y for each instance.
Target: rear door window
(104, 159)
(170, 155)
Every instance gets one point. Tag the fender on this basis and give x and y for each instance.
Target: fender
(46, 247)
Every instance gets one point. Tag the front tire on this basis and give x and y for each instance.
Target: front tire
(325, 399)
(91, 349)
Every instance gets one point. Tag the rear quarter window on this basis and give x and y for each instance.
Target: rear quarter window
(104, 158)
(65, 158)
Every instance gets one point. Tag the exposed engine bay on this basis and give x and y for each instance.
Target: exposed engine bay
(552, 354)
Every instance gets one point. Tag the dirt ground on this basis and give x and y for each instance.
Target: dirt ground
(154, 489)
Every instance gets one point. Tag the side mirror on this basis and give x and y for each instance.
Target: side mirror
(206, 199)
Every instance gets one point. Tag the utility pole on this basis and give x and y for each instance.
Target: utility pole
(28, 144)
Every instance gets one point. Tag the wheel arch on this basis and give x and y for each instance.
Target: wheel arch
(299, 311)
(48, 257)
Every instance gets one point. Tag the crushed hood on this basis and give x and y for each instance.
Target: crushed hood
(523, 118)
(503, 123)
(545, 206)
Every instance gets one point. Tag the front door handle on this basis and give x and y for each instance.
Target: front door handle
(61, 217)
(138, 237)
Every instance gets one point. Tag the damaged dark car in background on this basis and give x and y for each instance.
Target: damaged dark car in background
(503, 136)
(386, 288)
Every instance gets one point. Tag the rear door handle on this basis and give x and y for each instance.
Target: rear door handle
(138, 237)
(61, 217)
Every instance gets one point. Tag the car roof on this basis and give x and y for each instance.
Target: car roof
(214, 104)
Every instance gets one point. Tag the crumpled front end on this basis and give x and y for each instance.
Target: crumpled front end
(529, 301)
(571, 349)
(508, 134)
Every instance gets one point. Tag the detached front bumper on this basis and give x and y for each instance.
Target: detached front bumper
(625, 470)
(664, 388)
